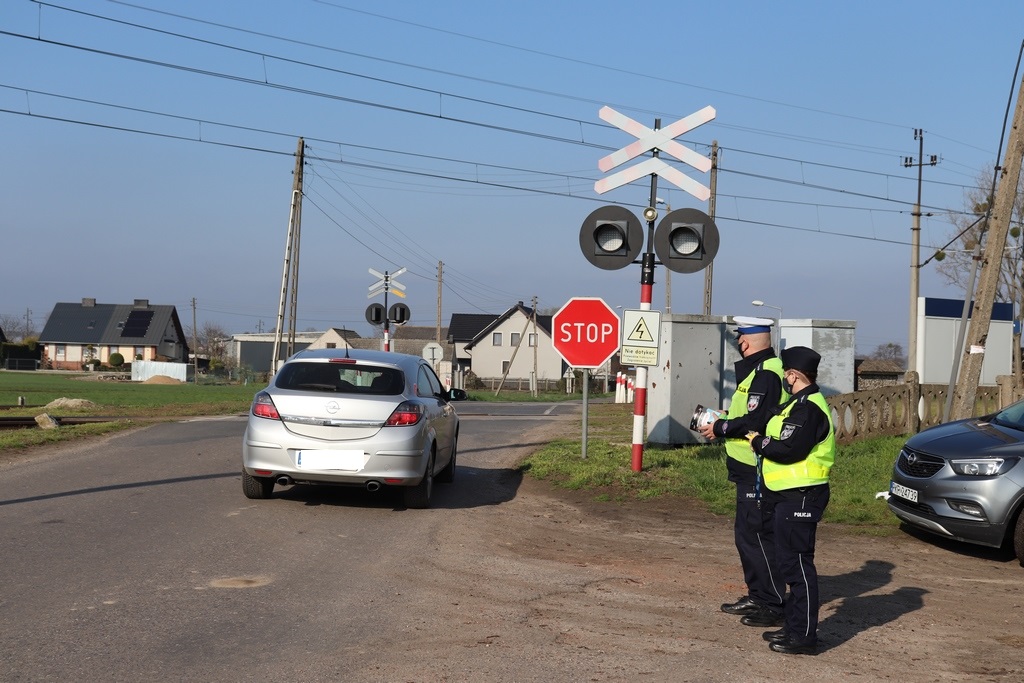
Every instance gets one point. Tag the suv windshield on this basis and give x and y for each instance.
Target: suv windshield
(1012, 416)
(341, 379)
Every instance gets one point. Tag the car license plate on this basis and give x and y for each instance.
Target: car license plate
(903, 492)
(350, 461)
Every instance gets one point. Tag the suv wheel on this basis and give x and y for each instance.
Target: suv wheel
(1018, 538)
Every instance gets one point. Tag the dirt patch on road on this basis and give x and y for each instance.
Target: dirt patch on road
(555, 586)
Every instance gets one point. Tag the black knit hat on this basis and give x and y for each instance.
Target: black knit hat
(802, 359)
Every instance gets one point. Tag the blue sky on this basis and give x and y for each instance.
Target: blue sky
(148, 150)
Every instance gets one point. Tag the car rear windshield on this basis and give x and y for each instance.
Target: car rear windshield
(336, 378)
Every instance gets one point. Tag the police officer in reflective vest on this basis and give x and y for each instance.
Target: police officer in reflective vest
(795, 454)
(759, 391)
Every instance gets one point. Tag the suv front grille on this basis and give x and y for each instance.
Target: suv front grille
(916, 464)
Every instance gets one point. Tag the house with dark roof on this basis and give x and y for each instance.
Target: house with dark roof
(463, 329)
(515, 344)
(76, 333)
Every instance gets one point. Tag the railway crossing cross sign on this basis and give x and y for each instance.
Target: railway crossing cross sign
(649, 139)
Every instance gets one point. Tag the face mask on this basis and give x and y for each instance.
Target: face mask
(787, 386)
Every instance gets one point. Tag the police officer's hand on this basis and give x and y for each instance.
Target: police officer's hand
(751, 436)
(708, 431)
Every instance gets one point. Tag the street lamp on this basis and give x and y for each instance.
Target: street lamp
(778, 334)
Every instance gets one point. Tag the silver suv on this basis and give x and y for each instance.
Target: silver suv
(965, 480)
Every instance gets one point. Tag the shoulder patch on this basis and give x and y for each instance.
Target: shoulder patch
(787, 431)
(753, 401)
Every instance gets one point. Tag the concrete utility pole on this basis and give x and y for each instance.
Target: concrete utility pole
(290, 272)
(915, 249)
(711, 212)
(999, 226)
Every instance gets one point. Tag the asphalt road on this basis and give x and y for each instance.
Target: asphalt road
(137, 558)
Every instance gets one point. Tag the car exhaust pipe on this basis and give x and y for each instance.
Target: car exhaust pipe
(373, 486)
(284, 481)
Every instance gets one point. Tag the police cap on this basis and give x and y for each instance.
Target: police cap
(747, 325)
(801, 359)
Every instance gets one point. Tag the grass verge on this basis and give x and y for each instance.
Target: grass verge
(699, 471)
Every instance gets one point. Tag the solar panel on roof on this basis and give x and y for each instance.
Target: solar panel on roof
(137, 324)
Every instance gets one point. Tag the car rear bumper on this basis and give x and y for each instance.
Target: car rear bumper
(269, 459)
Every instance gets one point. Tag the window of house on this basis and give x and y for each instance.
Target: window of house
(139, 353)
(332, 345)
(514, 338)
(532, 339)
(59, 352)
(496, 339)
(505, 364)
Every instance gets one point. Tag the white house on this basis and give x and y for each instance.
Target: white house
(516, 345)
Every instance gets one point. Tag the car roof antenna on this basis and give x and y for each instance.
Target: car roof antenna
(344, 338)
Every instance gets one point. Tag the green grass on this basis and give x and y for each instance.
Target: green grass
(121, 398)
(699, 471)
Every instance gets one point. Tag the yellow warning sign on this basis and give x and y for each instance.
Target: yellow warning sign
(640, 332)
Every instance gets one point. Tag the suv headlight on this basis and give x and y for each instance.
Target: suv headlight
(982, 467)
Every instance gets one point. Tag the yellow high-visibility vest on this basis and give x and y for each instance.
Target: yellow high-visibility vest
(811, 470)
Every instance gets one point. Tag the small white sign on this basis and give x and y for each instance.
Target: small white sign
(641, 337)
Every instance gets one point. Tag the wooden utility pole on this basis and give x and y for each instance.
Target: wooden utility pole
(195, 345)
(708, 272)
(440, 280)
(999, 226)
(536, 343)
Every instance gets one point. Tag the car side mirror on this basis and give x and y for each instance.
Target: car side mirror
(456, 395)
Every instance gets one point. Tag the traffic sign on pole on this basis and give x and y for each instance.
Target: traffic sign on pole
(585, 332)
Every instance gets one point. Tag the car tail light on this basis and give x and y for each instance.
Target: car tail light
(406, 414)
(263, 406)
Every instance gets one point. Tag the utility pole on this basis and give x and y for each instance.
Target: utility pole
(915, 248)
(440, 276)
(195, 345)
(999, 224)
(711, 212)
(290, 273)
(536, 343)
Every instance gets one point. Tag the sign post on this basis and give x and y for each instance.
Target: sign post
(585, 333)
(656, 140)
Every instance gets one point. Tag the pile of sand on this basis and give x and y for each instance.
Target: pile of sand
(161, 379)
(71, 403)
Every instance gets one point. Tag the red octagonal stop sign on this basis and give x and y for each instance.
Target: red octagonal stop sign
(585, 332)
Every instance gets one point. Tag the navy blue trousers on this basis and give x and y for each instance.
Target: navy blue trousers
(791, 523)
(756, 549)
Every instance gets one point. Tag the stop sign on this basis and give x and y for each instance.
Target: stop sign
(585, 332)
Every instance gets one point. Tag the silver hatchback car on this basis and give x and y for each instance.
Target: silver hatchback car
(965, 480)
(352, 417)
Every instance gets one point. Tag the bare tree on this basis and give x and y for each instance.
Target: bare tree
(955, 262)
(891, 351)
(211, 340)
(17, 328)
